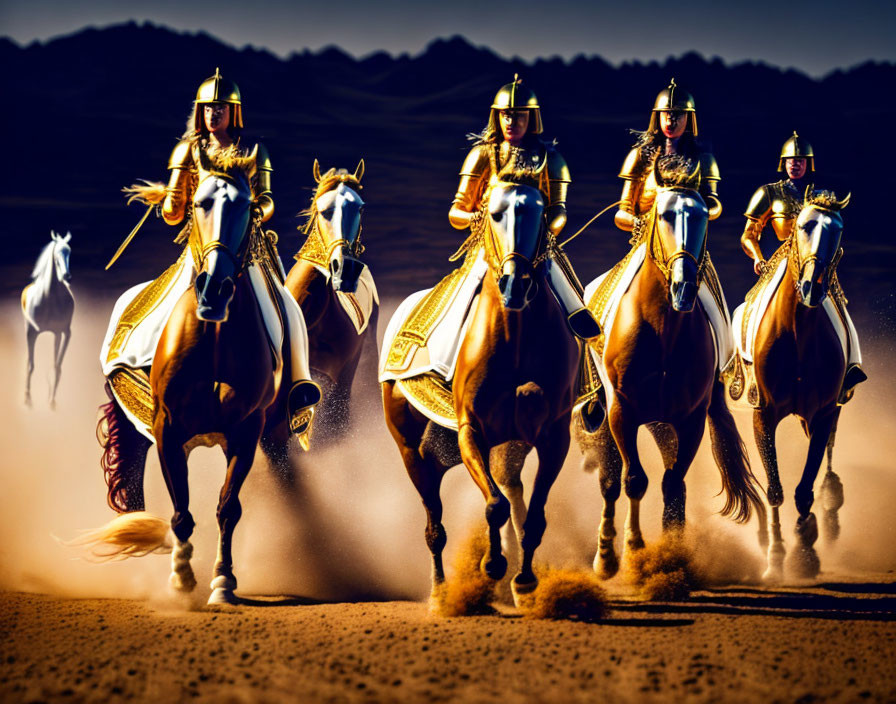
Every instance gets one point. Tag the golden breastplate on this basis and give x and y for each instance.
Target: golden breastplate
(784, 211)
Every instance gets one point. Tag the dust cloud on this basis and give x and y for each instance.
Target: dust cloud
(350, 526)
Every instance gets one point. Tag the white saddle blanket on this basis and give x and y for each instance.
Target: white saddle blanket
(719, 321)
(138, 347)
(443, 345)
(746, 321)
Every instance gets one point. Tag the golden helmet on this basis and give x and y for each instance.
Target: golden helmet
(797, 147)
(676, 98)
(516, 96)
(217, 89)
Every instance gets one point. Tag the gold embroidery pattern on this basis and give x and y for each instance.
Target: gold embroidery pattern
(132, 390)
(142, 306)
(415, 331)
(314, 250)
(431, 392)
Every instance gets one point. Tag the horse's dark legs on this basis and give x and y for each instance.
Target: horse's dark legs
(173, 459)
(552, 448)
(831, 492)
(634, 478)
(241, 445)
(60, 345)
(609, 461)
(473, 450)
(805, 560)
(690, 433)
(764, 424)
(30, 336)
(425, 472)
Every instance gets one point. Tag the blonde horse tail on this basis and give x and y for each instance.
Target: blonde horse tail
(132, 534)
(738, 481)
(531, 411)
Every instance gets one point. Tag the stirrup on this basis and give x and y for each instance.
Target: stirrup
(854, 376)
(582, 324)
(592, 414)
(303, 397)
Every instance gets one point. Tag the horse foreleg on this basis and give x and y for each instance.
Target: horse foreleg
(507, 465)
(426, 473)
(831, 492)
(690, 433)
(804, 560)
(173, 459)
(764, 424)
(30, 336)
(240, 452)
(609, 461)
(497, 509)
(634, 478)
(551, 448)
(59, 348)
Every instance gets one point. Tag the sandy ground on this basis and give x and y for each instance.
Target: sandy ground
(347, 541)
(827, 644)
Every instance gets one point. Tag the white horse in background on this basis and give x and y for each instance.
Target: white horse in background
(48, 305)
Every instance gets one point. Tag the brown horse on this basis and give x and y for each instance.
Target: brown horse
(338, 300)
(512, 391)
(799, 366)
(212, 381)
(658, 369)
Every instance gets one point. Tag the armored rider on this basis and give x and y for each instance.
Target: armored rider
(510, 143)
(211, 142)
(779, 204)
(667, 154)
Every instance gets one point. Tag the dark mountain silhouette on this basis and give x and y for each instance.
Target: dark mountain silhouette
(89, 113)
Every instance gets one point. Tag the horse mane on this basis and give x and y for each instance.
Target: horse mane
(328, 181)
(44, 260)
(825, 199)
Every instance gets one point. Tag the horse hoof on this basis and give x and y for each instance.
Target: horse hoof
(223, 597)
(606, 564)
(804, 563)
(182, 582)
(522, 591)
(494, 568)
(773, 576)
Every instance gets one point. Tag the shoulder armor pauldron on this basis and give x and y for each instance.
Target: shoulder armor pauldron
(181, 156)
(635, 165)
(760, 203)
(262, 158)
(477, 161)
(557, 167)
(709, 169)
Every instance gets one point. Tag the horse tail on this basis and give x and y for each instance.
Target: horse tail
(124, 456)
(738, 481)
(133, 534)
(531, 411)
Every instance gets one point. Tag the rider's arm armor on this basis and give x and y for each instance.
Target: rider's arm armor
(473, 175)
(634, 173)
(558, 185)
(181, 168)
(709, 182)
(264, 200)
(758, 212)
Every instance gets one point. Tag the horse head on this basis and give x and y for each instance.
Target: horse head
(680, 232)
(817, 234)
(514, 238)
(221, 216)
(336, 214)
(61, 254)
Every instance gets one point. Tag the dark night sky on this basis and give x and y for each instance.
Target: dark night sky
(815, 37)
